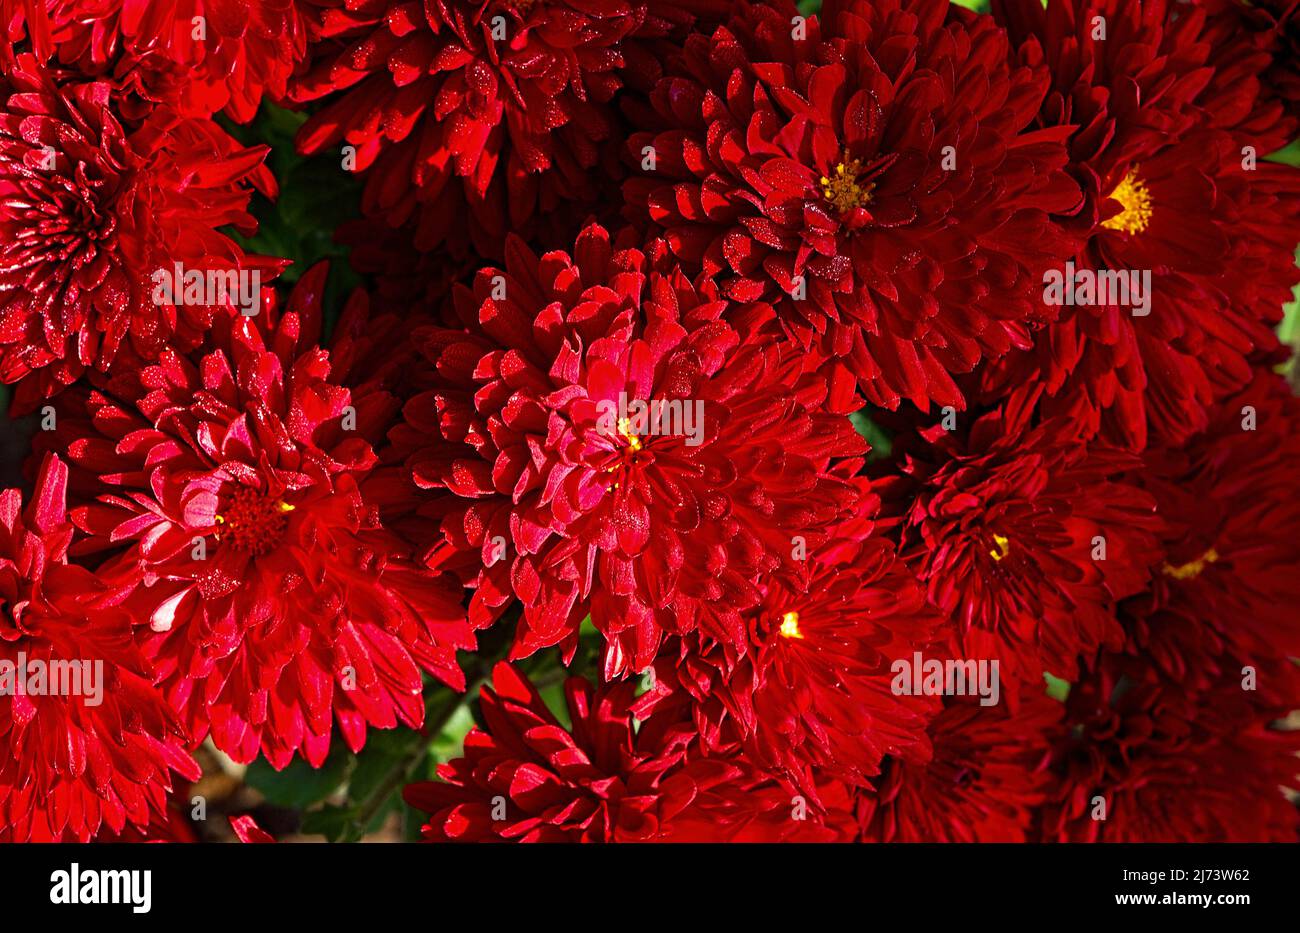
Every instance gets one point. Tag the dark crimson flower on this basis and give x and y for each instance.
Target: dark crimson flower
(414, 282)
(1024, 537)
(808, 693)
(984, 782)
(1268, 26)
(90, 211)
(575, 497)
(878, 180)
(198, 56)
(496, 113)
(1169, 764)
(90, 744)
(238, 493)
(527, 778)
(754, 808)
(1226, 594)
(1170, 192)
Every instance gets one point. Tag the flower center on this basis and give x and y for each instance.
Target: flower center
(253, 522)
(625, 428)
(844, 189)
(1134, 197)
(790, 625)
(628, 454)
(1190, 569)
(1003, 547)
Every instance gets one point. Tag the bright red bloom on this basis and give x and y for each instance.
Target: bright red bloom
(878, 181)
(197, 56)
(496, 113)
(241, 504)
(529, 779)
(90, 210)
(808, 693)
(96, 750)
(1171, 192)
(1226, 594)
(1170, 764)
(653, 524)
(986, 778)
(1026, 538)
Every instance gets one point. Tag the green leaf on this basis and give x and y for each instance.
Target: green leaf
(1057, 688)
(1289, 330)
(316, 196)
(299, 785)
(1288, 156)
(332, 822)
(875, 435)
(450, 742)
(385, 749)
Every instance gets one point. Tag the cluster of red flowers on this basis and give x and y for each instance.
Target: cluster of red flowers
(717, 335)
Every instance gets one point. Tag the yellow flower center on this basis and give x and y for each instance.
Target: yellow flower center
(625, 428)
(1190, 569)
(621, 461)
(1003, 547)
(790, 625)
(1134, 197)
(842, 190)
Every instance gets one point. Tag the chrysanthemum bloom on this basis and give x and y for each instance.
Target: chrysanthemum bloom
(615, 453)
(90, 744)
(1270, 26)
(1026, 538)
(873, 174)
(809, 692)
(527, 778)
(238, 495)
(987, 775)
(1145, 759)
(478, 118)
(1169, 159)
(198, 56)
(91, 213)
(1225, 596)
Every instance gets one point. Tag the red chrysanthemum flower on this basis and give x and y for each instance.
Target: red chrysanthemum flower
(527, 778)
(1172, 193)
(1026, 538)
(1226, 594)
(983, 783)
(495, 113)
(198, 56)
(876, 179)
(809, 691)
(90, 210)
(1145, 759)
(91, 745)
(656, 521)
(751, 807)
(1268, 26)
(240, 495)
